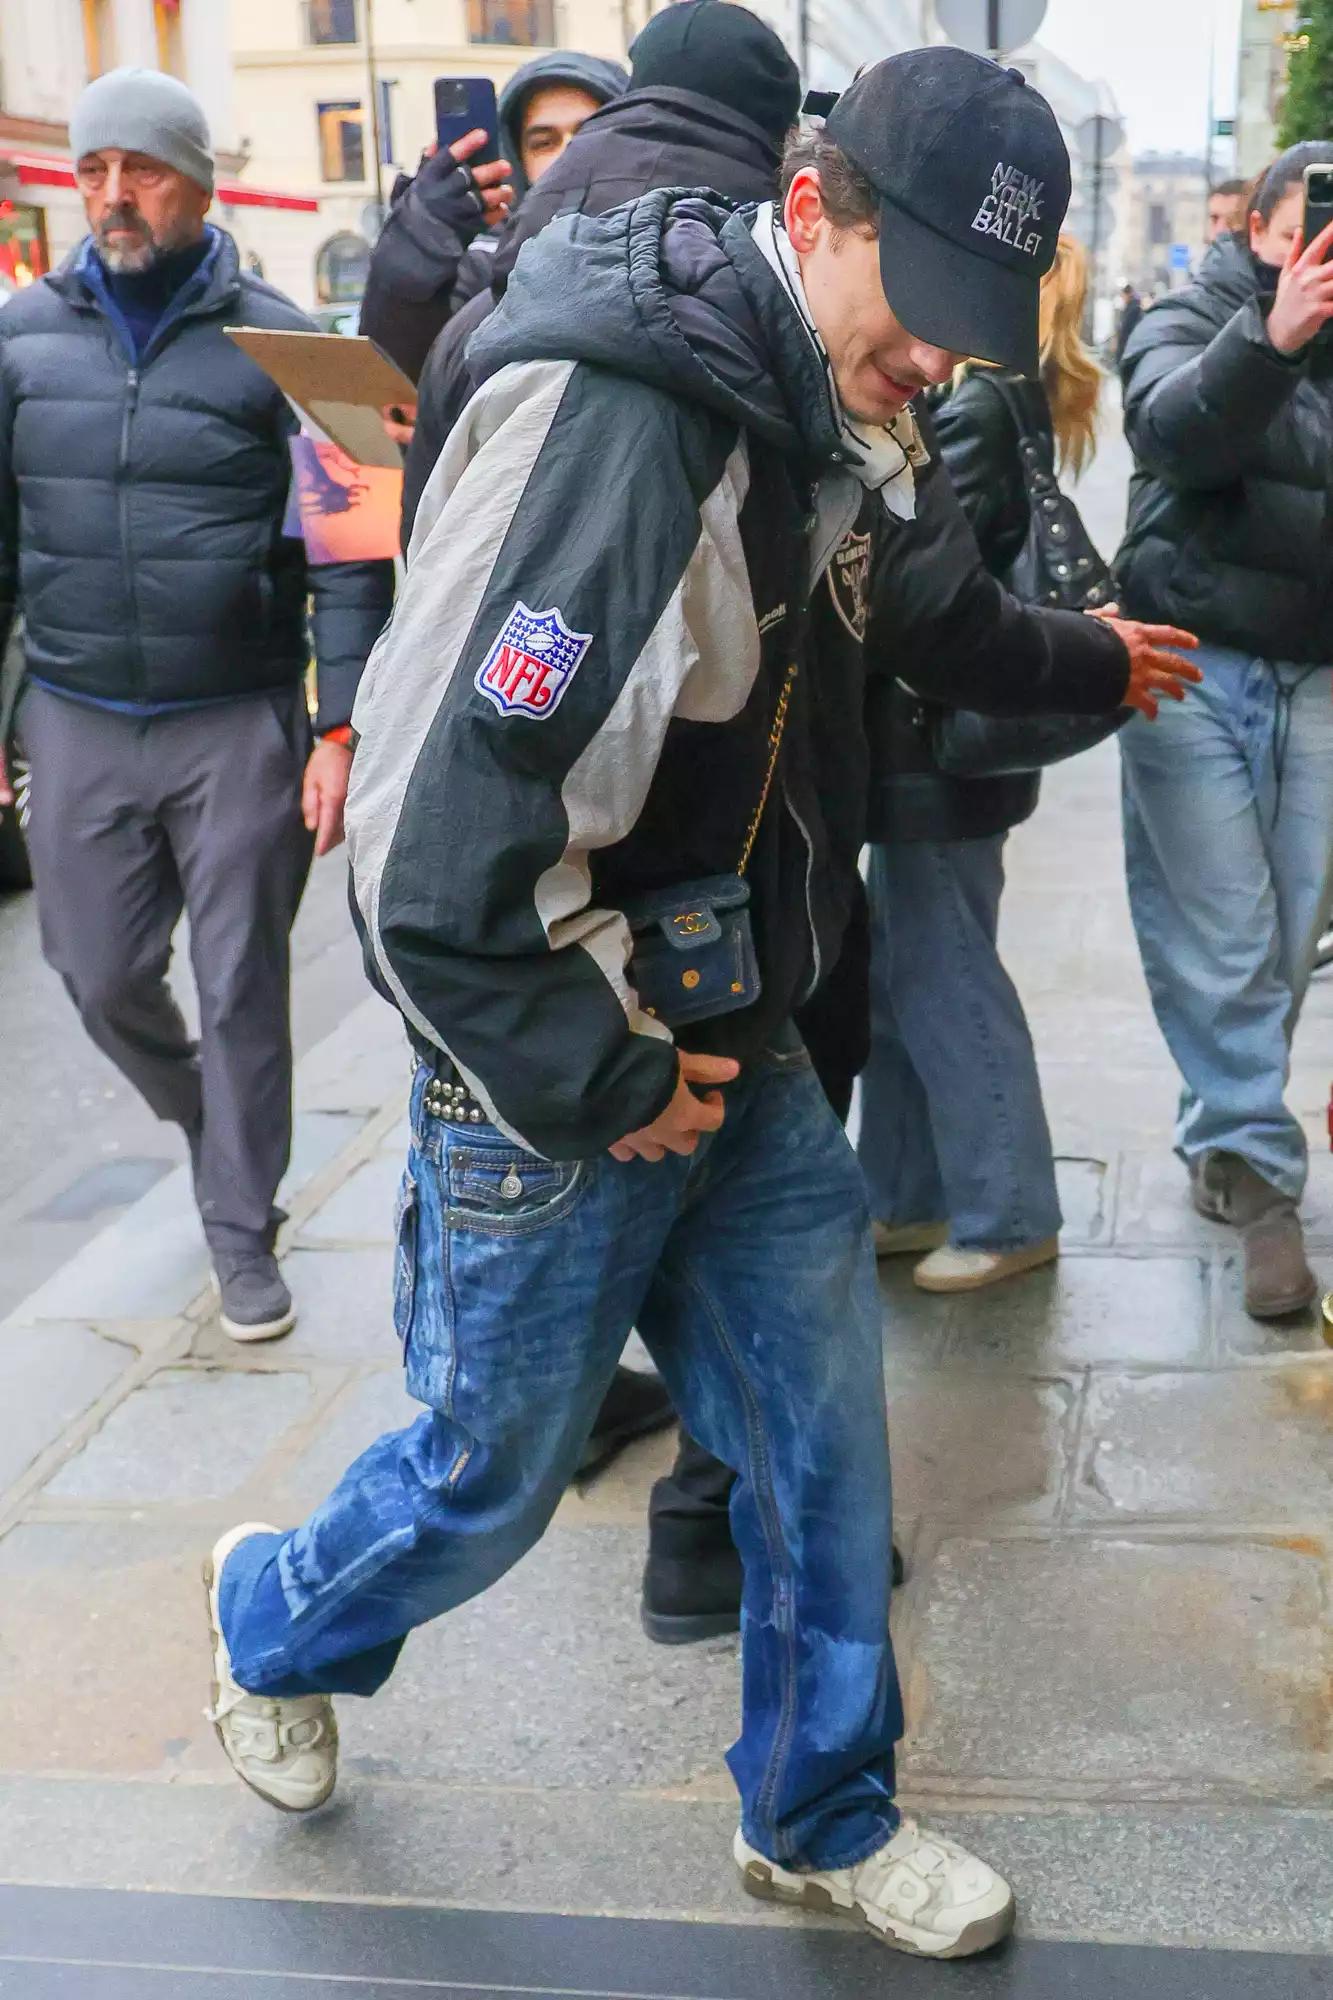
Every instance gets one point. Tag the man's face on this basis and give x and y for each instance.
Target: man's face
(139, 209)
(1225, 213)
(877, 364)
(551, 117)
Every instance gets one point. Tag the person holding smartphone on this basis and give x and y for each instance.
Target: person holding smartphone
(1229, 799)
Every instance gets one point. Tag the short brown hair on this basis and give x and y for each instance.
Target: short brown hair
(850, 201)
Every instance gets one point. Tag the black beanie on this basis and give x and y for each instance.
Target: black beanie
(720, 50)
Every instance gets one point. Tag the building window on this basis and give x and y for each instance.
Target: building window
(524, 23)
(99, 40)
(1159, 223)
(329, 21)
(342, 142)
(387, 87)
(342, 266)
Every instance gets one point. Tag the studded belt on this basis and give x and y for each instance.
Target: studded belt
(448, 1097)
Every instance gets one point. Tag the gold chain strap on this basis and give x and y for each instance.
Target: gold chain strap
(775, 745)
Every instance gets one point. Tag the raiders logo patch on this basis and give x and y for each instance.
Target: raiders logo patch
(849, 583)
(534, 658)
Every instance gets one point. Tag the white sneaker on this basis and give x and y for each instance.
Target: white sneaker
(908, 1239)
(920, 1893)
(950, 1270)
(286, 1750)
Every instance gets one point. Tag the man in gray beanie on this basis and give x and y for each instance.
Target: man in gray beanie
(144, 478)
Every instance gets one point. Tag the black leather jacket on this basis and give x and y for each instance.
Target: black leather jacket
(1231, 507)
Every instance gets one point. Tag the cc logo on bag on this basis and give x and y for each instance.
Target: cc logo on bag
(690, 923)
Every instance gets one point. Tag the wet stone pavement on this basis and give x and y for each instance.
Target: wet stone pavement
(1114, 1491)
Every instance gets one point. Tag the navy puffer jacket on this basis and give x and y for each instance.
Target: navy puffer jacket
(142, 504)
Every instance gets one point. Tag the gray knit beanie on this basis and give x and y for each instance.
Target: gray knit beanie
(144, 111)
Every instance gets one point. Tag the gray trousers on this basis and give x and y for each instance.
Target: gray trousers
(134, 820)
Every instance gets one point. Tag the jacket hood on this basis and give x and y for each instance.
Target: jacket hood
(672, 290)
(653, 138)
(601, 79)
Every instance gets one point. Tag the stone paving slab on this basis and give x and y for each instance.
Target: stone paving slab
(965, 1448)
(1153, 1668)
(363, 1065)
(548, 1680)
(103, 1649)
(344, 1305)
(1249, 1445)
(1085, 1309)
(1086, 1187)
(361, 1211)
(51, 1374)
(189, 1434)
(368, 1406)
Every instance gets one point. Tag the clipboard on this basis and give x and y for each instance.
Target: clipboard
(341, 380)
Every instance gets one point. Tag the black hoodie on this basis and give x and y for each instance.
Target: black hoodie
(654, 138)
(1231, 507)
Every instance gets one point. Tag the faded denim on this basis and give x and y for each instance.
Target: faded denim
(1228, 801)
(953, 1128)
(748, 1270)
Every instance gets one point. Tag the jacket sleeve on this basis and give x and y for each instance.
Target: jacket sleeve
(1197, 408)
(587, 522)
(9, 508)
(941, 624)
(350, 605)
(414, 265)
(978, 442)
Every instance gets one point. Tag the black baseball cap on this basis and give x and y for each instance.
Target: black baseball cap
(973, 179)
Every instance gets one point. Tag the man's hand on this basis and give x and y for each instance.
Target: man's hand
(1155, 673)
(687, 1117)
(400, 420)
(324, 793)
(6, 789)
(491, 181)
(1304, 301)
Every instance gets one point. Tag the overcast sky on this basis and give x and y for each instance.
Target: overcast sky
(1154, 55)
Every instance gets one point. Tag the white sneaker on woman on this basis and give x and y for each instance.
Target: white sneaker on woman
(950, 1270)
(286, 1750)
(919, 1893)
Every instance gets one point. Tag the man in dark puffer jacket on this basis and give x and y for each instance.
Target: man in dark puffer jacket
(712, 95)
(1229, 802)
(144, 477)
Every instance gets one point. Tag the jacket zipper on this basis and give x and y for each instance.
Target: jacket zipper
(126, 546)
(816, 954)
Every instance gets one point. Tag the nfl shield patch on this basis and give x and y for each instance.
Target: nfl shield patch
(531, 663)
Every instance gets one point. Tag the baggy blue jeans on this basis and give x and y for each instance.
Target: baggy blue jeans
(953, 1127)
(749, 1272)
(1228, 804)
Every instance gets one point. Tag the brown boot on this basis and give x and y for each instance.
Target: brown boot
(1278, 1280)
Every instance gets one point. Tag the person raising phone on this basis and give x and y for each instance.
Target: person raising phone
(1229, 799)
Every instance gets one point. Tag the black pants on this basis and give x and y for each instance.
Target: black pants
(835, 1027)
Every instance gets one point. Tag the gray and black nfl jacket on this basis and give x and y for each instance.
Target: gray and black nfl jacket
(613, 569)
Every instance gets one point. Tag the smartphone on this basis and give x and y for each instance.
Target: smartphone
(1318, 202)
(462, 103)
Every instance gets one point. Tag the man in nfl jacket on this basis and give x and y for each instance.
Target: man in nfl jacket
(600, 682)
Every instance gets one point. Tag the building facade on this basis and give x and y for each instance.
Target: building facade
(1168, 221)
(49, 49)
(1261, 79)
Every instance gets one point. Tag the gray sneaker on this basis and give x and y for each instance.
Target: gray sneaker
(255, 1301)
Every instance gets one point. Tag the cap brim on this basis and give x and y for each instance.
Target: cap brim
(966, 304)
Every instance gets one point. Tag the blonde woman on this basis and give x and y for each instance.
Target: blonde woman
(954, 1142)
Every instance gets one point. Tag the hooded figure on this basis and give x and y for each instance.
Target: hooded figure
(664, 133)
(434, 252)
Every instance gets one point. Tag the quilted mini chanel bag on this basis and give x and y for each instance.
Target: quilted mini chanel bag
(693, 954)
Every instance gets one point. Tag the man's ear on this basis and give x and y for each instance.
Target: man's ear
(803, 211)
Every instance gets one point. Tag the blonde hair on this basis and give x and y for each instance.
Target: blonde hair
(1071, 378)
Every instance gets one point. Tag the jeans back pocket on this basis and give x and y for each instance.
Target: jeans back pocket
(496, 1186)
